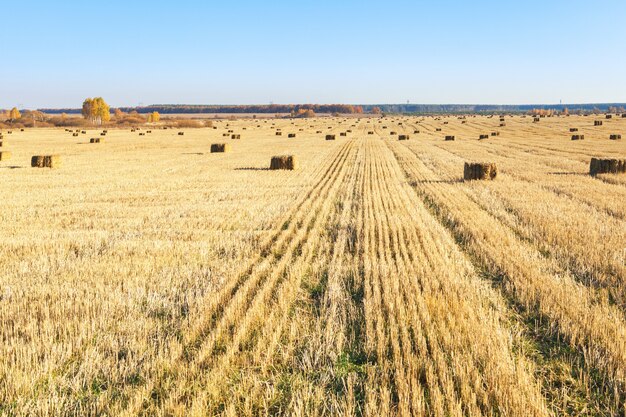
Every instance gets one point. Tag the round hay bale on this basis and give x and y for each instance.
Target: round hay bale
(536, 120)
(495, 133)
(573, 129)
(597, 122)
(370, 133)
(181, 133)
(225, 135)
(416, 132)
(284, 162)
(291, 135)
(318, 131)
(607, 166)
(502, 124)
(103, 134)
(609, 116)
(45, 161)
(237, 136)
(343, 134)
(403, 137)
(392, 133)
(578, 137)
(615, 137)
(74, 134)
(330, 137)
(220, 147)
(5, 155)
(96, 140)
(438, 129)
(483, 137)
(279, 133)
(450, 137)
(479, 171)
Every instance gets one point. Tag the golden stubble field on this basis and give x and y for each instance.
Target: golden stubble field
(148, 276)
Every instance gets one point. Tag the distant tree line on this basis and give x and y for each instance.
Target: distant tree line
(299, 109)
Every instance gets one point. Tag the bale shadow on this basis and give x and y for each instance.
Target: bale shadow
(251, 169)
(13, 167)
(192, 153)
(456, 181)
(567, 173)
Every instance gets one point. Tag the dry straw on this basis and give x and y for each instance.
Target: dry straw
(45, 161)
(220, 147)
(479, 171)
(284, 162)
(5, 155)
(607, 166)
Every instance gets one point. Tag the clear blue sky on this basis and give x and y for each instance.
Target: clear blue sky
(56, 53)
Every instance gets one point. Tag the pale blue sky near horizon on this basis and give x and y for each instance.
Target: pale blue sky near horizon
(363, 52)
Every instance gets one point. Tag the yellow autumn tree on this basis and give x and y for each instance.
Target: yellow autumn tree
(14, 114)
(154, 117)
(96, 110)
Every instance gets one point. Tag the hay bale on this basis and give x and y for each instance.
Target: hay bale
(536, 120)
(502, 124)
(479, 171)
(133, 130)
(279, 133)
(284, 162)
(609, 116)
(220, 147)
(343, 134)
(318, 131)
(615, 137)
(74, 134)
(370, 132)
(392, 133)
(45, 161)
(445, 123)
(21, 130)
(438, 129)
(330, 137)
(450, 137)
(597, 122)
(5, 155)
(84, 132)
(104, 131)
(291, 135)
(403, 137)
(103, 134)
(483, 137)
(578, 137)
(142, 134)
(1, 144)
(181, 133)
(416, 132)
(148, 131)
(607, 166)
(96, 140)
(237, 136)
(573, 129)
(496, 133)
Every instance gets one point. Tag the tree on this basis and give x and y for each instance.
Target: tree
(154, 117)
(118, 114)
(14, 114)
(96, 110)
(376, 110)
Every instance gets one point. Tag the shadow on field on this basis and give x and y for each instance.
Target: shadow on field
(193, 153)
(13, 167)
(251, 169)
(567, 173)
(414, 183)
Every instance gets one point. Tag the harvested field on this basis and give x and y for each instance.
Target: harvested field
(149, 277)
